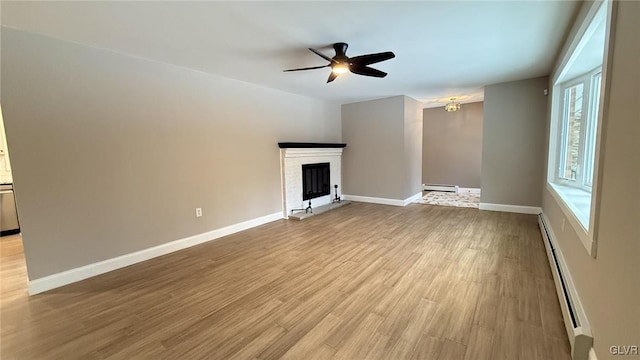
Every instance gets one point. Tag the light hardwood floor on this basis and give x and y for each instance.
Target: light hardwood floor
(361, 282)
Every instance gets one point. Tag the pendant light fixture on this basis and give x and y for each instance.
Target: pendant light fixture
(452, 106)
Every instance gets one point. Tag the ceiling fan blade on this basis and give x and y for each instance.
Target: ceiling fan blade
(308, 68)
(367, 71)
(332, 77)
(322, 55)
(369, 59)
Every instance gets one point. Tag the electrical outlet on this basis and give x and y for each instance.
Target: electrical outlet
(198, 212)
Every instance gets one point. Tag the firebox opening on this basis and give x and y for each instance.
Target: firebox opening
(315, 180)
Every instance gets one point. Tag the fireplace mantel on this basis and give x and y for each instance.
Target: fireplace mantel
(304, 145)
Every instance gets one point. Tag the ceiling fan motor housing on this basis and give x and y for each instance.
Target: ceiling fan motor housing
(341, 59)
(341, 49)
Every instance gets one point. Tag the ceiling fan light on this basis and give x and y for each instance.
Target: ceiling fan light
(339, 68)
(452, 106)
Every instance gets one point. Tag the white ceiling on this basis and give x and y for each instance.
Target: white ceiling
(443, 48)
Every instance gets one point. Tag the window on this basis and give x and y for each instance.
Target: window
(571, 126)
(579, 119)
(590, 138)
(575, 107)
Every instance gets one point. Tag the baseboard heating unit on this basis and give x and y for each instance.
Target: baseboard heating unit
(575, 320)
(440, 187)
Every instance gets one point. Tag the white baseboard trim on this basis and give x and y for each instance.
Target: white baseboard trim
(412, 199)
(511, 208)
(468, 190)
(70, 276)
(374, 200)
(383, 201)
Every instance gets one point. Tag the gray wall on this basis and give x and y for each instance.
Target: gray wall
(383, 154)
(372, 162)
(412, 147)
(513, 142)
(111, 154)
(452, 146)
(609, 285)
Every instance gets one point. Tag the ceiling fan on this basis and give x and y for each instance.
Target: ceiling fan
(341, 63)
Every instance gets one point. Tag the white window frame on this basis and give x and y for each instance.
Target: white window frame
(563, 194)
(587, 129)
(592, 128)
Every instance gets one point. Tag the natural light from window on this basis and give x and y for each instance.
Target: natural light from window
(576, 100)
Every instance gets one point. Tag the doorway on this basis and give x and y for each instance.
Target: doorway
(452, 155)
(13, 269)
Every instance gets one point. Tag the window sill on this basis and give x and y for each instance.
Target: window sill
(578, 201)
(576, 205)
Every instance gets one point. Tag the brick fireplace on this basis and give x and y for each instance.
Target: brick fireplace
(292, 158)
